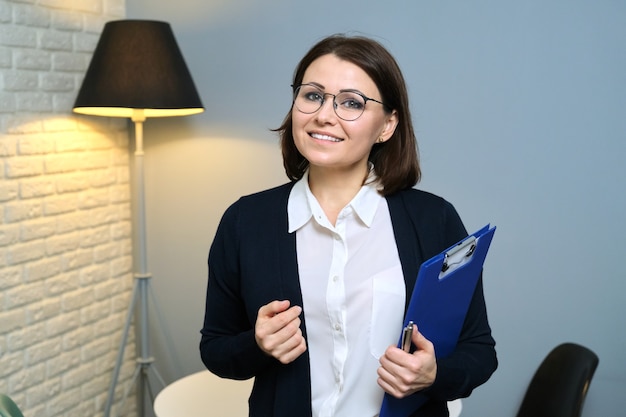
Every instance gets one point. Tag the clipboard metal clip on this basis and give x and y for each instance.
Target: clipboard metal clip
(459, 253)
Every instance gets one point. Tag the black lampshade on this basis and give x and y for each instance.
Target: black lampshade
(137, 65)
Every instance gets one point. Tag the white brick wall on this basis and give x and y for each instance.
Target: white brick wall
(65, 232)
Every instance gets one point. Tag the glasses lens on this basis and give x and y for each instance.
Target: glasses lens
(308, 99)
(349, 106)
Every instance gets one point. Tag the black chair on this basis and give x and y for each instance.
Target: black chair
(560, 384)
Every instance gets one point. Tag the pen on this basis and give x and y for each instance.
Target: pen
(406, 337)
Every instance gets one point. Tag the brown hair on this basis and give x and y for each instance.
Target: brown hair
(395, 161)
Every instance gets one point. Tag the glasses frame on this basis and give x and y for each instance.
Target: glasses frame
(335, 105)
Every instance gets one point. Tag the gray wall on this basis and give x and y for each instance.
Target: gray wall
(520, 113)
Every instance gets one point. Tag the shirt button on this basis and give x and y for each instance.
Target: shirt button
(337, 327)
(335, 278)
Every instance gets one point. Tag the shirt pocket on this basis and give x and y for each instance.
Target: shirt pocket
(388, 298)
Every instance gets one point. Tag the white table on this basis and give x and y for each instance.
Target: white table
(205, 395)
(455, 407)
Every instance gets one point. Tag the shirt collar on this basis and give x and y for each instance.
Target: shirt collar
(298, 208)
(366, 202)
(302, 205)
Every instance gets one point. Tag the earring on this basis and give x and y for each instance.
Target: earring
(380, 139)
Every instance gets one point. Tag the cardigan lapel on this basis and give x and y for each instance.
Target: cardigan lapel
(409, 248)
(293, 393)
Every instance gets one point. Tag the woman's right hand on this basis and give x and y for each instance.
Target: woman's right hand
(277, 331)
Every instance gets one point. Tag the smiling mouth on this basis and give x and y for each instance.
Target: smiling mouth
(325, 137)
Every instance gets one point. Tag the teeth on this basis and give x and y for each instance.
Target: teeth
(325, 137)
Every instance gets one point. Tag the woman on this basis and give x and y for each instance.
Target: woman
(309, 281)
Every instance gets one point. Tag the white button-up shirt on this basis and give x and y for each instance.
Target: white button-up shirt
(353, 294)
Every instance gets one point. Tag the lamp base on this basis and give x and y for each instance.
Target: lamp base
(145, 362)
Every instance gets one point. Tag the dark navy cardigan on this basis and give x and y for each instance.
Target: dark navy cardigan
(252, 262)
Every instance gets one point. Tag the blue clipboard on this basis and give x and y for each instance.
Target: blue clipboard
(440, 300)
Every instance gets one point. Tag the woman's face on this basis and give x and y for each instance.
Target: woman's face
(327, 141)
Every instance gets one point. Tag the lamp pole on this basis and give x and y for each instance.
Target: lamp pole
(141, 285)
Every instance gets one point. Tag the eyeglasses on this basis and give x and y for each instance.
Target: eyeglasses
(348, 105)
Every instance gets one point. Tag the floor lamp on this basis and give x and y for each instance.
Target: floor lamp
(137, 71)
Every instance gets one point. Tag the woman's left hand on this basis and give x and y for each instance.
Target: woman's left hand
(401, 373)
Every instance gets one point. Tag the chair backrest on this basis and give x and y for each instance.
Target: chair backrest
(8, 408)
(559, 386)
